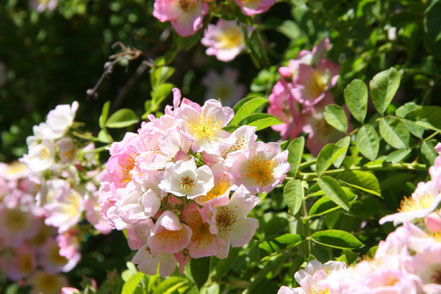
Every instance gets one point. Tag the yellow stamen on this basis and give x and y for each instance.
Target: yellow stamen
(260, 170)
(205, 127)
(418, 203)
(231, 38)
(128, 166)
(221, 186)
(187, 185)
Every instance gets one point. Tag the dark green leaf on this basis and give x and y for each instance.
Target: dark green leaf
(281, 242)
(260, 120)
(356, 98)
(362, 180)
(343, 143)
(327, 156)
(295, 149)
(334, 191)
(293, 194)
(427, 117)
(394, 132)
(368, 142)
(428, 151)
(398, 155)
(336, 239)
(336, 117)
(200, 270)
(383, 87)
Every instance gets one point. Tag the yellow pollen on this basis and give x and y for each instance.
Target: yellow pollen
(205, 127)
(45, 153)
(260, 170)
(172, 235)
(240, 144)
(128, 166)
(317, 84)
(412, 204)
(436, 236)
(221, 186)
(200, 230)
(15, 168)
(231, 38)
(225, 218)
(187, 185)
(319, 291)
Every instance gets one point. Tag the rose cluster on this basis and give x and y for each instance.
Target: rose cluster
(186, 16)
(42, 199)
(182, 187)
(408, 261)
(301, 95)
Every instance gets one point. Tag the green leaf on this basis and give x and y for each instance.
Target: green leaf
(122, 118)
(368, 142)
(394, 132)
(281, 242)
(161, 92)
(104, 114)
(343, 143)
(170, 285)
(295, 149)
(336, 239)
(103, 136)
(132, 283)
(160, 75)
(293, 194)
(432, 28)
(260, 120)
(428, 151)
(362, 180)
(383, 87)
(398, 155)
(247, 108)
(327, 156)
(402, 112)
(336, 117)
(258, 52)
(334, 191)
(325, 205)
(427, 117)
(356, 98)
(200, 270)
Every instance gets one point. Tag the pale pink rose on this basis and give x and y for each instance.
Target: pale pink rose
(183, 178)
(255, 6)
(243, 138)
(93, 216)
(136, 204)
(47, 283)
(66, 149)
(230, 221)
(169, 234)
(204, 125)
(433, 222)
(259, 169)
(224, 87)
(14, 171)
(287, 290)
(59, 120)
(42, 5)
(17, 224)
(225, 40)
(320, 132)
(423, 201)
(186, 16)
(311, 84)
(223, 184)
(148, 262)
(435, 170)
(66, 210)
(315, 272)
(22, 264)
(53, 262)
(69, 244)
(40, 157)
(137, 234)
(426, 265)
(70, 290)
(283, 106)
(203, 242)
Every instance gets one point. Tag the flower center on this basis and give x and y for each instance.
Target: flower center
(240, 144)
(128, 166)
(172, 235)
(25, 263)
(187, 185)
(260, 170)
(317, 84)
(221, 185)
(418, 203)
(231, 38)
(186, 5)
(15, 168)
(205, 127)
(436, 276)
(319, 291)
(225, 218)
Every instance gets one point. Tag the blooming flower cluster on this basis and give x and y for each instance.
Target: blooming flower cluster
(302, 93)
(42, 199)
(186, 16)
(408, 261)
(183, 187)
